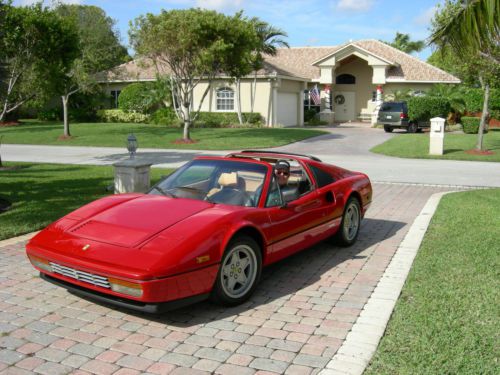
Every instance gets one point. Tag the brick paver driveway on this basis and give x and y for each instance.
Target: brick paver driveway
(295, 322)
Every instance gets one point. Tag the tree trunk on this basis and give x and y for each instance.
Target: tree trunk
(187, 123)
(4, 111)
(484, 115)
(253, 92)
(1, 136)
(65, 99)
(238, 100)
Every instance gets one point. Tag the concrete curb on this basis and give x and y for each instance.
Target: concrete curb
(13, 240)
(361, 342)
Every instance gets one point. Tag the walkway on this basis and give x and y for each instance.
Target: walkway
(296, 322)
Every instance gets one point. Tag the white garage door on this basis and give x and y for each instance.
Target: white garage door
(287, 109)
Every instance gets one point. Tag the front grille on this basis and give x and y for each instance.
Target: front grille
(80, 275)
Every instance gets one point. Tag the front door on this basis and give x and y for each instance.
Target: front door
(344, 105)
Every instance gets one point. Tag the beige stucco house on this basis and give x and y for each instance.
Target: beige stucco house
(349, 78)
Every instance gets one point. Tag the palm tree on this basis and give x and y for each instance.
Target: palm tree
(472, 27)
(270, 39)
(403, 43)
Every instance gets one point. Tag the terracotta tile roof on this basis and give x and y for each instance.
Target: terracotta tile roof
(297, 62)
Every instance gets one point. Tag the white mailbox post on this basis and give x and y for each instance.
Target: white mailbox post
(436, 136)
(132, 175)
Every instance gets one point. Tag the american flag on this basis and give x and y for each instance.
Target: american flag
(314, 95)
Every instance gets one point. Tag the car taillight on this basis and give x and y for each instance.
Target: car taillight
(403, 115)
(43, 264)
(125, 287)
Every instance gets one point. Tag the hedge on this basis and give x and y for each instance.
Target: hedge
(117, 115)
(423, 108)
(225, 119)
(470, 125)
(165, 116)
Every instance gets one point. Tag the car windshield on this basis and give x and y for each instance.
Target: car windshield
(217, 181)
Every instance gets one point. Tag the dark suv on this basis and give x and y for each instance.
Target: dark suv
(394, 115)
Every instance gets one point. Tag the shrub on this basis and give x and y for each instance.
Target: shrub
(225, 119)
(474, 97)
(423, 108)
(309, 114)
(136, 98)
(117, 115)
(49, 114)
(165, 116)
(470, 125)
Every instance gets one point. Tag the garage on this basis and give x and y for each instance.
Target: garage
(287, 109)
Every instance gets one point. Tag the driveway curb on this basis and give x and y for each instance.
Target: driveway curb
(13, 240)
(362, 341)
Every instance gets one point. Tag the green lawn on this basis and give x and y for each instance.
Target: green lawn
(417, 146)
(447, 319)
(153, 136)
(42, 193)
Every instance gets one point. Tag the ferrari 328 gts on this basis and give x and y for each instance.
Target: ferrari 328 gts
(204, 231)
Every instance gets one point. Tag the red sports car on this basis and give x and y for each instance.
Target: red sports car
(204, 231)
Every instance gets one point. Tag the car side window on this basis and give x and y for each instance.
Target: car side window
(322, 177)
(274, 194)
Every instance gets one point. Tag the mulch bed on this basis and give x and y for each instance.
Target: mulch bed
(479, 152)
(181, 141)
(65, 137)
(10, 123)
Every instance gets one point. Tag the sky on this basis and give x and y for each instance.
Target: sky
(308, 23)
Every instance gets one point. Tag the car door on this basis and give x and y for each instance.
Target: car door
(299, 223)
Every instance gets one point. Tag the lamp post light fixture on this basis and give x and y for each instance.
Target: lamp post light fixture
(132, 145)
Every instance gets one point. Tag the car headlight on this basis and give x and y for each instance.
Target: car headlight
(125, 287)
(43, 264)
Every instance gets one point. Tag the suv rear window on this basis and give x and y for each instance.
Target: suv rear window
(392, 107)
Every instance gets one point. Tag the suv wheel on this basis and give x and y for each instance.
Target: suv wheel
(388, 129)
(412, 127)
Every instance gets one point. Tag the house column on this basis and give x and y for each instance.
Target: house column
(301, 104)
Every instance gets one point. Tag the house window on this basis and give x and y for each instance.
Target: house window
(345, 79)
(114, 98)
(225, 99)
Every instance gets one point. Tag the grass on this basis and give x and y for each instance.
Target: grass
(152, 136)
(42, 193)
(447, 319)
(417, 146)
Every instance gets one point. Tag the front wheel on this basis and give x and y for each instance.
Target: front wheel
(351, 221)
(239, 272)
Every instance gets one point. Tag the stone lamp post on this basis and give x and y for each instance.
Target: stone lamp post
(132, 175)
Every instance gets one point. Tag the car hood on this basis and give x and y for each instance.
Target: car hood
(133, 222)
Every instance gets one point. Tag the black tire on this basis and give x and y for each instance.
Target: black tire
(351, 222)
(388, 129)
(236, 283)
(412, 127)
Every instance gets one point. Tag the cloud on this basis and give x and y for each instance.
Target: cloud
(220, 4)
(356, 5)
(424, 18)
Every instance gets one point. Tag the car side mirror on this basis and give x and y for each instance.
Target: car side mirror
(289, 195)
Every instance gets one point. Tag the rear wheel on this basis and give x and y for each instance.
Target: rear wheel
(388, 129)
(412, 127)
(239, 272)
(351, 221)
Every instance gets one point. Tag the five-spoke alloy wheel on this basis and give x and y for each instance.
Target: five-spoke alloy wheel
(351, 221)
(239, 271)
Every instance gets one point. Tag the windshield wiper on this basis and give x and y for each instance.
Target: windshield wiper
(166, 193)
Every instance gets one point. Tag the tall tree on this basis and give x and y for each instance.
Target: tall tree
(195, 45)
(270, 38)
(471, 28)
(100, 49)
(405, 44)
(36, 49)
